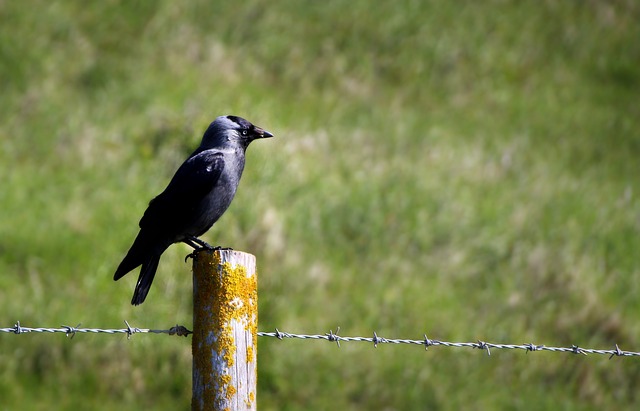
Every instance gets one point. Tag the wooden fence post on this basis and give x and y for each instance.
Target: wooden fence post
(225, 325)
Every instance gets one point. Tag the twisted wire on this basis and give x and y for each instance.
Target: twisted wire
(426, 342)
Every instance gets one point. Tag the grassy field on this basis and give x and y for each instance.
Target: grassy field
(467, 170)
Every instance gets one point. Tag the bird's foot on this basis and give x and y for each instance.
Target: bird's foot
(199, 245)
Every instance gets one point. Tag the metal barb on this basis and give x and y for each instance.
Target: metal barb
(427, 343)
(617, 352)
(533, 347)
(130, 331)
(483, 346)
(180, 330)
(334, 337)
(71, 330)
(278, 334)
(18, 329)
(375, 340)
(577, 350)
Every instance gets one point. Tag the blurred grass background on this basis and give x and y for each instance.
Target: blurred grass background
(465, 169)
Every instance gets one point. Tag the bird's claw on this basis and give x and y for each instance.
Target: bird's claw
(219, 248)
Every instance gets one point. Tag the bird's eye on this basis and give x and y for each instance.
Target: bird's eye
(244, 132)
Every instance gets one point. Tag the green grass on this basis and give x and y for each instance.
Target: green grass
(466, 170)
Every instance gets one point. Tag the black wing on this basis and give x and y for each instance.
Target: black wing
(171, 211)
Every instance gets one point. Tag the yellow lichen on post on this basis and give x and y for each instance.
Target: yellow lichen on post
(225, 320)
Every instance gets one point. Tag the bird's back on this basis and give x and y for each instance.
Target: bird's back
(199, 193)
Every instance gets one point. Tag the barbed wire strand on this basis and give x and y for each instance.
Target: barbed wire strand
(72, 331)
(180, 330)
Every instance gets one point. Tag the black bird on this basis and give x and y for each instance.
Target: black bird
(198, 194)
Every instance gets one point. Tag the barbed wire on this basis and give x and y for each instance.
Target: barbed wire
(71, 331)
(426, 342)
(180, 330)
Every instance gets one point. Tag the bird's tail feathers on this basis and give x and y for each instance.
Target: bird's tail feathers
(146, 251)
(145, 279)
(139, 253)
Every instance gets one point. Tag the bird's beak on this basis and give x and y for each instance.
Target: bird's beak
(260, 133)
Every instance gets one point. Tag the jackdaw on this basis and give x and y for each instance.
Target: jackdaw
(198, 194)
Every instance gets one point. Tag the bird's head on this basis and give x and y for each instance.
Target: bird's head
(232, 129)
